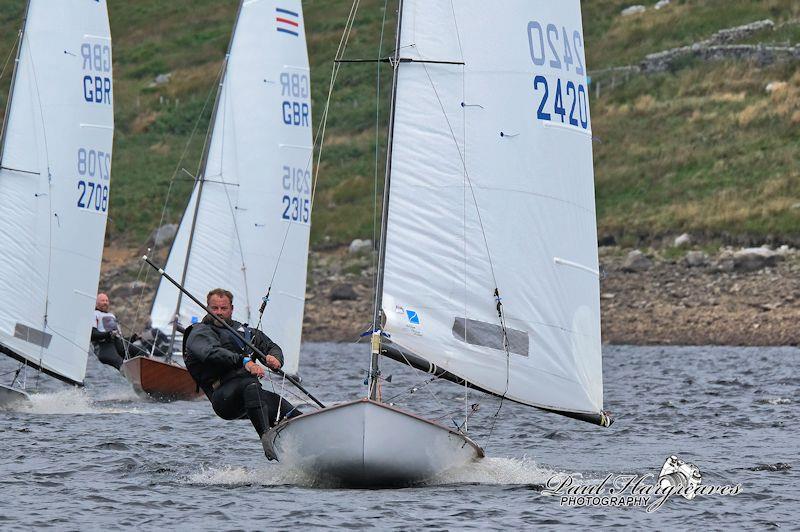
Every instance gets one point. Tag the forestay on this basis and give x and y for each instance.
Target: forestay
(492, 187)
(54, 185)
(256, 182)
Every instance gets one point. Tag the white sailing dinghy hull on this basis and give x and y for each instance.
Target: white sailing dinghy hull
(11, 396)
(365, 443)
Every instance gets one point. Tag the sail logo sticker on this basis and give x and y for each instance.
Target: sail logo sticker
(413, 317)
(287, 21)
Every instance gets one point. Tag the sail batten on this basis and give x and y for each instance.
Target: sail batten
(256, 184)
(55, 185)
(491, 230)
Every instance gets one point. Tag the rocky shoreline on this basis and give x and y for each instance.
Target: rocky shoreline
(675, 295)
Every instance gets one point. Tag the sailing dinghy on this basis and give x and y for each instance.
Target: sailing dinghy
(54, 187)
(246, 227)
(488, 268)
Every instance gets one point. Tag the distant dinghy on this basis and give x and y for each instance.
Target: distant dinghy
(55, 177)
(488, 269)
(249, 215)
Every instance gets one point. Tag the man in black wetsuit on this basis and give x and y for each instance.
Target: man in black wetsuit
(220, 364)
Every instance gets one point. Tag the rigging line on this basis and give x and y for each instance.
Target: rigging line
(10, 53)
(375, 256)
(178, 166)
(447, 412)
(49, 198)
(232, 210)
(464, 202)
(414, 388)
(480, 222)
(334, 74)
(319, 140)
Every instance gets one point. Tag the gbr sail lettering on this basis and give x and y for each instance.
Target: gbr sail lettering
(559, 82)
(94, 171)
(96, 59)
(296, 95)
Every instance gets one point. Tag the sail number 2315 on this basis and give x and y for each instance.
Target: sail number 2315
(94, 170)
(560, 52)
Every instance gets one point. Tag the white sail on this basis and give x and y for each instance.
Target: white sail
(257, 182)
(492, 187)
(54, 185)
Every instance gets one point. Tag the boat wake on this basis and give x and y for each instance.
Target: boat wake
(241, 476)
(504, 471)
(71, 401)
(489, 471)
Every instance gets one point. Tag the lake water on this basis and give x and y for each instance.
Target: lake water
(101, 458)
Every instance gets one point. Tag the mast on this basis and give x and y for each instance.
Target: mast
(374, 374)
(13, 80)
(201, 177)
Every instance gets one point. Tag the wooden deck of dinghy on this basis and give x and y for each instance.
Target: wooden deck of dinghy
(163, 381)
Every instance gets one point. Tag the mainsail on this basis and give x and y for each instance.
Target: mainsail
(54, 185)
(249, 214)
(491, 269)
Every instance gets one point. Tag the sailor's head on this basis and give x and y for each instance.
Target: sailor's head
(102, 302)
(220, 303)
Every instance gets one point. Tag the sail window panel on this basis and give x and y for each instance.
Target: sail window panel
(490, 335)
(33, 336)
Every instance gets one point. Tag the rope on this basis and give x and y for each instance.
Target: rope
(171, 182)
(319, 140)
(483, 232)
(10, 53)
(375, 256)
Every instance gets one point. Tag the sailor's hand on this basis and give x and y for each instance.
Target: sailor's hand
(273, 363)
(254, 369)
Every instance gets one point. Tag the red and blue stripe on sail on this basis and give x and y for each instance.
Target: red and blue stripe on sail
(287, 21)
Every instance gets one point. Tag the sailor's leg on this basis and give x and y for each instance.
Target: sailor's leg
(274, 401)
(228, 399)
(107, 354)
(258, 406)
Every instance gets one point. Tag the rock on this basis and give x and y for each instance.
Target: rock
(607, 240)
(358, 244)
(131, 289)
(796, 206)
(752, 259)
(164, 234)
(684, 240)
(633, 10)
(775, 86)
(636, 261)
(343, 292)
(661, 3)
(161, 79)
(696, 259)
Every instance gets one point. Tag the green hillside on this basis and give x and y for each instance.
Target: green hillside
(701, 148)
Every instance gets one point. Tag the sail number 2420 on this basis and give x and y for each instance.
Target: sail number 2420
(560, 52)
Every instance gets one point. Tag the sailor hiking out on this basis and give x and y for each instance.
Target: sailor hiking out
(221, 365)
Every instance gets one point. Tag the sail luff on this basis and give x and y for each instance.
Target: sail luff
(20, 36)
(202, 174)
(374, 359)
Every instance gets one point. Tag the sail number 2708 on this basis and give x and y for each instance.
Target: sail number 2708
(94, 169)
(560, 52)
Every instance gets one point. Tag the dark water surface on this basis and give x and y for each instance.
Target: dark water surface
(102, 458)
